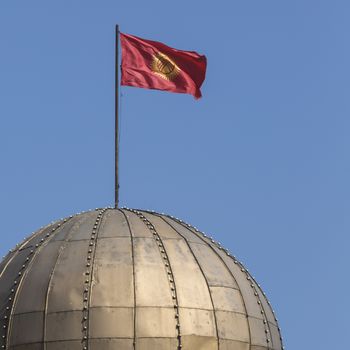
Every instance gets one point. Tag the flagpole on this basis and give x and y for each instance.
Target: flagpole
(116, 184)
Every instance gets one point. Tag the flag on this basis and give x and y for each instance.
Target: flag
(153, 65)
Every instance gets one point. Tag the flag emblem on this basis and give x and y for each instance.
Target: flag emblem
(164, 66)
(153, 65)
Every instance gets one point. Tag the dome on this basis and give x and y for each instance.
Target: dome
(125, 279)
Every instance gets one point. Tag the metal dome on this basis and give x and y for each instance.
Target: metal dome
(127, 279)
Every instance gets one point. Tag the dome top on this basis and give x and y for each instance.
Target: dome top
(129, 279)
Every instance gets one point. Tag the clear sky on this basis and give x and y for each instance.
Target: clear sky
(261, 162)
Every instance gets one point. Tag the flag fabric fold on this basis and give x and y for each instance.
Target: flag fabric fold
(154, 65)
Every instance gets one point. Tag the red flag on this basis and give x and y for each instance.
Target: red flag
(153, 65)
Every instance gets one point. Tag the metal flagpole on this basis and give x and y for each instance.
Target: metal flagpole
(116, 188)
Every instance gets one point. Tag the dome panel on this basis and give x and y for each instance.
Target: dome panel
(126, 279)
(113, 263)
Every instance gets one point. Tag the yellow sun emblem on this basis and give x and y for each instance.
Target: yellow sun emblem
(164, 66)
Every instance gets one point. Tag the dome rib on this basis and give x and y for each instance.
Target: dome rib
(13, 253)
(167, 265)
(203, 274)
(87, 289)
(133, 273)
(64, 244)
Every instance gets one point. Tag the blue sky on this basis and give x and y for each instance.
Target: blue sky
(261, 162)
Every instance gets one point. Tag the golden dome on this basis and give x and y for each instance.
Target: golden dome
(129, 279)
